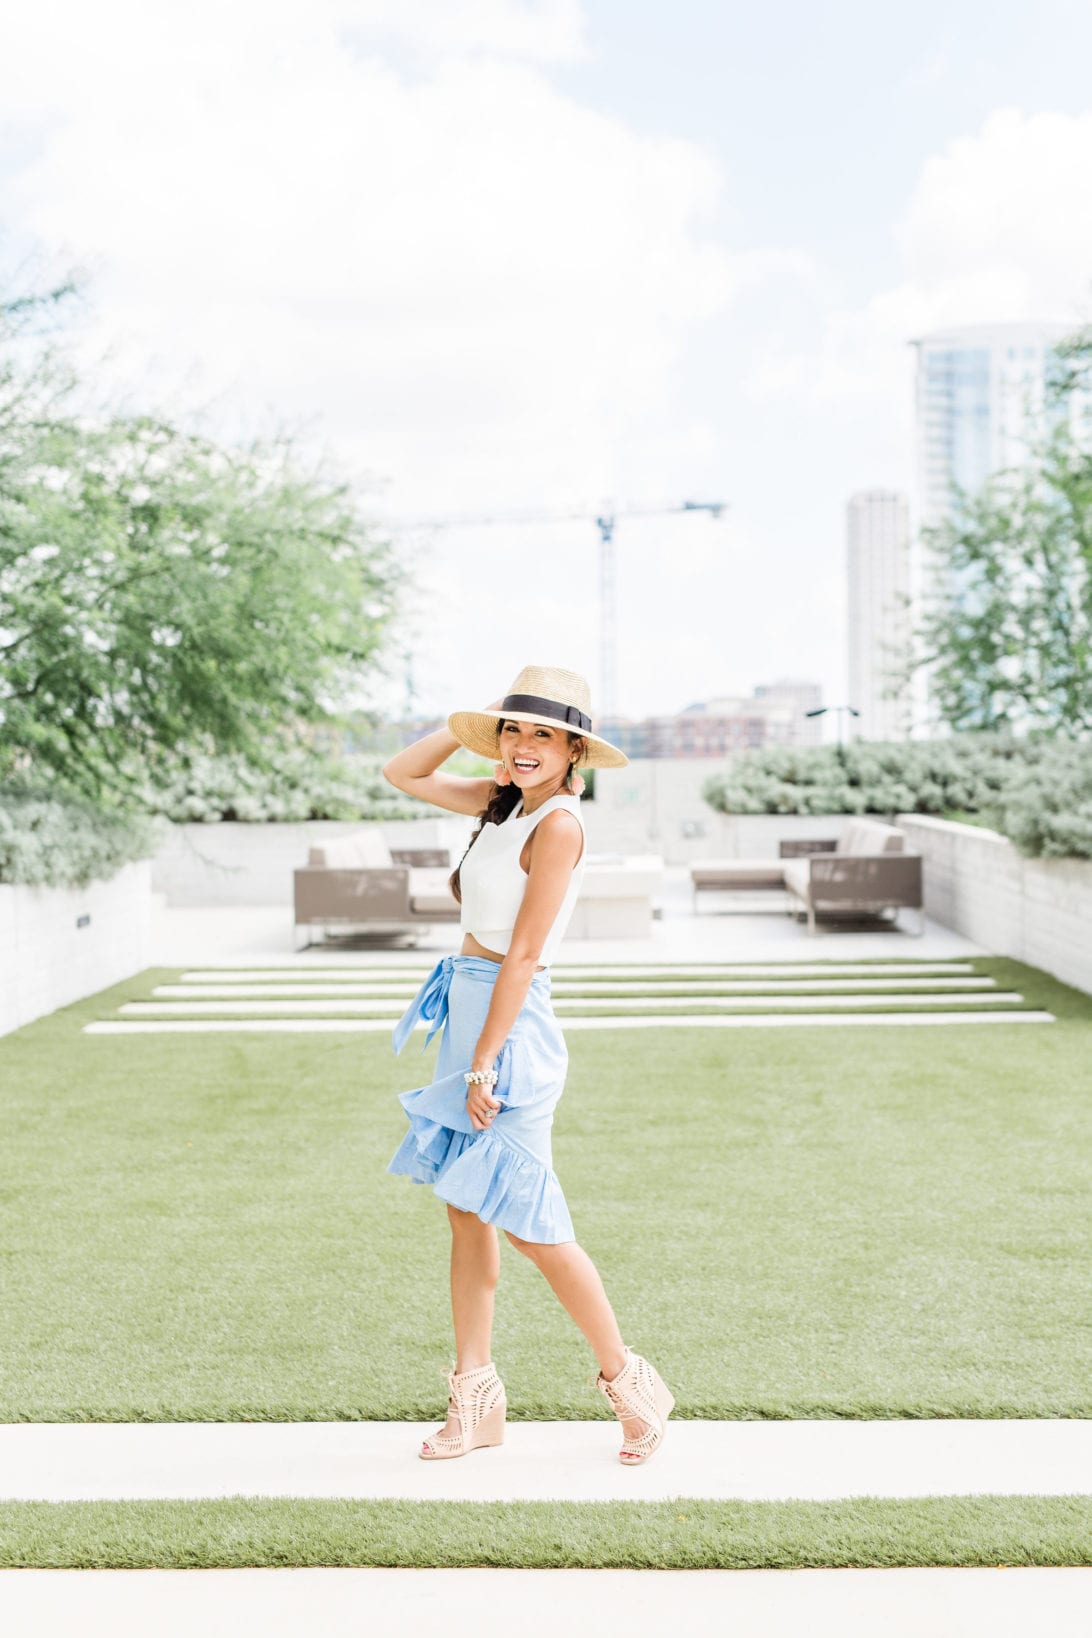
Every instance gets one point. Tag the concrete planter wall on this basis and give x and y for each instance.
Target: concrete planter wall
(241, 864)
(980, 885)
(758, 835)
(58, 944)
(656, 806)
(652, 807)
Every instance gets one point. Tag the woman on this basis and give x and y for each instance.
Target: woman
(480, 1132)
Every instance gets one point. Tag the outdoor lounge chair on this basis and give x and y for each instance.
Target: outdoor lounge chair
(866, 872)
(747, 875)
(358, 884)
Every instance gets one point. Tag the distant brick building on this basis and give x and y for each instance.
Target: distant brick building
(772, 715)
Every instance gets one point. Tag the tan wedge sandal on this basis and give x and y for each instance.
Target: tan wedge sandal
(477, 1399)
(639, 1391)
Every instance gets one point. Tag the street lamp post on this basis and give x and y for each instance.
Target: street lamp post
(839, 712)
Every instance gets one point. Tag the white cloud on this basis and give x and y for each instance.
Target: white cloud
(469, 284)
(996, 230)
(475, 283)
(549, 31)
(1003, 216)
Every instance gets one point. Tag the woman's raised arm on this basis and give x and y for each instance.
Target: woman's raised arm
(414, 771)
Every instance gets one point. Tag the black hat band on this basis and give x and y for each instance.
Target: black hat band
(537, 706)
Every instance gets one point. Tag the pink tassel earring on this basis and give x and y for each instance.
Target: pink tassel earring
(576, 782)
(501, 776)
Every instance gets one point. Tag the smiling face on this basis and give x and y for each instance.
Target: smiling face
(537, 755)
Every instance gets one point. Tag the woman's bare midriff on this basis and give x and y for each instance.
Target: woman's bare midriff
(472, 947)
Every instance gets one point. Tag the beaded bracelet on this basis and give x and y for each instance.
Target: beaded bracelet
(481, 1077)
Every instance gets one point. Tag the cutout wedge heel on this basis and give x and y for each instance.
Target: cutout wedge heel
(477, 1400)
(639, 1391)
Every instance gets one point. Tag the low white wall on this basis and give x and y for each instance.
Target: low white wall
(233, 863)
(58, 944)
(980, 885)
(656, 806)
(653, 806)
(757, 835)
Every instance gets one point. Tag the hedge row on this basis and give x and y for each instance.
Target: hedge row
(301, 783)
(1037, 792)
(49, 840)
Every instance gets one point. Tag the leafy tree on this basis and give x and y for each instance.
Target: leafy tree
(1008, 630)
(163, 597)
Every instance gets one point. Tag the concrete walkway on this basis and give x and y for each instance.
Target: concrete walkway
(740, 929)
(544, 1461)
(993, 1603)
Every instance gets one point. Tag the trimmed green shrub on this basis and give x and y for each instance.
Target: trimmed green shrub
(934, 776)
(1036, 791)
(1046, 806)
(52, 840)
(300, 783)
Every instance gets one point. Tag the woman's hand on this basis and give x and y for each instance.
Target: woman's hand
(481, 1106)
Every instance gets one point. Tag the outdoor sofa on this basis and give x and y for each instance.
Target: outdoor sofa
(357, 883)
(865, 872)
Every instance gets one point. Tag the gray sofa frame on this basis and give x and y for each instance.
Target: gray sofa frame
(375, 900)
(819, 879)
(859, 884)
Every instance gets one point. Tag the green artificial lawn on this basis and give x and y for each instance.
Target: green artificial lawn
(239, 1532)
(791, 1223)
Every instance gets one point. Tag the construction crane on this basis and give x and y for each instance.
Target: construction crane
(606, 521)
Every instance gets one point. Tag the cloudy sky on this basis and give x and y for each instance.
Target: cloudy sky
(537, 255)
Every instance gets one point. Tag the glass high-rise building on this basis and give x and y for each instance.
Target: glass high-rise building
(980, 396)
(979, 393)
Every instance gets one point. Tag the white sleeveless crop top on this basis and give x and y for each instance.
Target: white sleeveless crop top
(493, 880)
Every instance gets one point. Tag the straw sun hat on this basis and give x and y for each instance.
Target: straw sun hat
(541, 693)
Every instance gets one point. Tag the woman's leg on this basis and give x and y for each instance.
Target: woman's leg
(475, 1269)
(578, 1287)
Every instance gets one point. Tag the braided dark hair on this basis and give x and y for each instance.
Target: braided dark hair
(502, 799)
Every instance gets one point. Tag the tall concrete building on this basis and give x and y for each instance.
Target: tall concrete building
(879, 617)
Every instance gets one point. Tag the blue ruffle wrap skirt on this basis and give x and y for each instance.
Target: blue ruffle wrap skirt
(504, 1173)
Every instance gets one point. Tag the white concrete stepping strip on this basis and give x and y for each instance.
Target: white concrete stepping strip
(827, 969)
(564, 988)
(546, 1461)
(754, 1020)
(622, 1006)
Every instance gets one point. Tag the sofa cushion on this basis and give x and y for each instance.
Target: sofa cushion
(796, 874)
(429, 893)
(736, 873)
(363, 850)
(870, 836)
